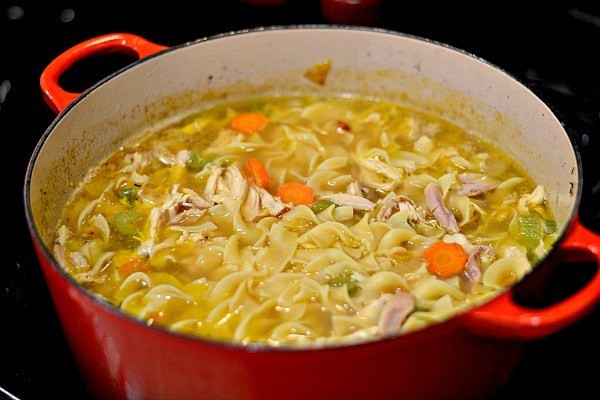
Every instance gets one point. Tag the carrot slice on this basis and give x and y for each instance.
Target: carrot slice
(131, 266)
(296, 193)
(250, 122)
(258, 173)
(445, 259)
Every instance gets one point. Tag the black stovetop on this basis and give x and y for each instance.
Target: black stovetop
(554, 50)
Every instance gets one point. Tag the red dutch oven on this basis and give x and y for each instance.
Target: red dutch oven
(466, 356)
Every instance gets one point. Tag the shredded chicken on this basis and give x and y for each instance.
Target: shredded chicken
(382, 168)
(174, 199)
(134, 161)
(63, 235)
(536, 198)
(213, 179)
(233, 184)
(182, 157)
(154, 218)
(78, 260)
(272, 204)
(194, 199)
(356, 202)
(139, 179)
(137, 158)
(186, 217)
(145, 248)
(184, 209)
(251, 207)
(163, 155)
(60, 252)
(355, 189)
(395, 311)
(393, 203)
(435, 203)
(472, 272)
(168, 212)
(181, 208)
(472, 185)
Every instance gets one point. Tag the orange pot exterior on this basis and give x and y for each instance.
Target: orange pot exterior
(465, 357)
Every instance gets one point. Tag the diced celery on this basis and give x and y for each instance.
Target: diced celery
(351, 284)
(550, 226)
(196, 162)
(126, 222)
(320, 206)
(530, 231)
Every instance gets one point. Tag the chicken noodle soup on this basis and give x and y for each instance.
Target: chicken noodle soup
(304, 219)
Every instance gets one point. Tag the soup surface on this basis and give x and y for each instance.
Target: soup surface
(303, 220)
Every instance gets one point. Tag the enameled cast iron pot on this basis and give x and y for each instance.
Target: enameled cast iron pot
(464, 357)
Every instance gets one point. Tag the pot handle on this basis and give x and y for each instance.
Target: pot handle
(57, 98)
(503, 318)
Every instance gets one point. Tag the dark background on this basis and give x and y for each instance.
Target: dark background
(552, 49)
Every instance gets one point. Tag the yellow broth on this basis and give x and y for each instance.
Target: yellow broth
(308, 275)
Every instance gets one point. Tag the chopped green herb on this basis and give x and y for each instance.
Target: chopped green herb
(126, 222)
(130, 194)
(530, 231)
(320, 206)
(259, 106)
(550, 226)
(197, 163)
(351, 284)
(353, 288)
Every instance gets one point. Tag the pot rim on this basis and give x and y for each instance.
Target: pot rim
(254, 347)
